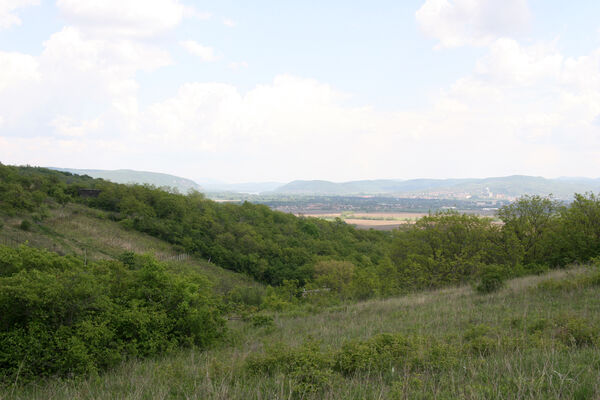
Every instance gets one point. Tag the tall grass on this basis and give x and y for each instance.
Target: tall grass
(527, 341)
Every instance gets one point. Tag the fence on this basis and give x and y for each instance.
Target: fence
(176, 257)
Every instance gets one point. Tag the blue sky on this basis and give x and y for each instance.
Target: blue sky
(277, 90)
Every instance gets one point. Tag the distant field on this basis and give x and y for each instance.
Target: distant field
(375, 220)
(380, 221)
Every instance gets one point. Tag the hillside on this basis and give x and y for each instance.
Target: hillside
(140, 177)
(510, 186)
(118, 287)
(85, 232)
(535, 339)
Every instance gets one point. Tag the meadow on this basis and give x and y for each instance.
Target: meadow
(537, 338)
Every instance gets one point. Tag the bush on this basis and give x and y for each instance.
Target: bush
(59, 317)
(260, 320)
(574, 331)
(491, 279)
(25, 225)
(480, 340)
(309, 368)
(380, 353)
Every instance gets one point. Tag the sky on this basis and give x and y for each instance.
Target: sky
(272, 90)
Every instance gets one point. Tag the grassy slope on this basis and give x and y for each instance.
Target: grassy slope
(549, 370)
(76, 229)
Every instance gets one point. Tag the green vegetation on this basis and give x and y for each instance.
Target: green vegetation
(102, 304)
(59, 316)
(445, 248)
(519, 342)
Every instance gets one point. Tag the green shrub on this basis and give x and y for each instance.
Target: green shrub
(491, 279)
(309, 368)
(59, 317)
(260, 320)
(246, 295)
(480, 340)
(25, 225)
(574, 331)
(380, 353)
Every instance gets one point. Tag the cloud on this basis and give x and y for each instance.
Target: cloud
(229, 23)
(509, 62)
(238, 65)
(472, 22)
(522, 109)
(205, 53)
(67, 126)
(126, 18)
(191, 12)
(76, 77)
(8, 8)
(16, 68)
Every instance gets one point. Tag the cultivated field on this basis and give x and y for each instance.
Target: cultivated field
(375, 220)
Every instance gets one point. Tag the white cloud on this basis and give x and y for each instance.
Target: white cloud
(8, 8)
(522, 109)
(238, 65)
(129, 18)
(509, 62)
(76, 76)
(205, 53)
(191, 12)
(67, 126)
(229, 23)
(472, 22)
(15, 68)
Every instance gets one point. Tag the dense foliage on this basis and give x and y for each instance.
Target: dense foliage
(281, 249)
(59, 316)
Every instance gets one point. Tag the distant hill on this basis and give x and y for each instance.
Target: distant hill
(509, 186)
(141, 177)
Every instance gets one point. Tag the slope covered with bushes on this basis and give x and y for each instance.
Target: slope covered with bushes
(59, 316)
(274, 247)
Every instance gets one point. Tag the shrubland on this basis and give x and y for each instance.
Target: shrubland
(64, 316)
(61, 317)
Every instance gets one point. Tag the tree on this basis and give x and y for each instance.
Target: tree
(580, 229)
(533, 220)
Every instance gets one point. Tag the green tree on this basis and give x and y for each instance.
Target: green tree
(533, 221)
(580, 229)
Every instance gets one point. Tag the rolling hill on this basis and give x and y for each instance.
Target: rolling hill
(509, 186)
(140, 177)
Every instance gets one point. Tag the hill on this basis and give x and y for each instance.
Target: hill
(139, 177)
(91, 234)
(535, 339)
(115, 319)
(506, 187)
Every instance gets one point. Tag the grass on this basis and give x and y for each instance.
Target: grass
(530, 340)
(89, 233)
